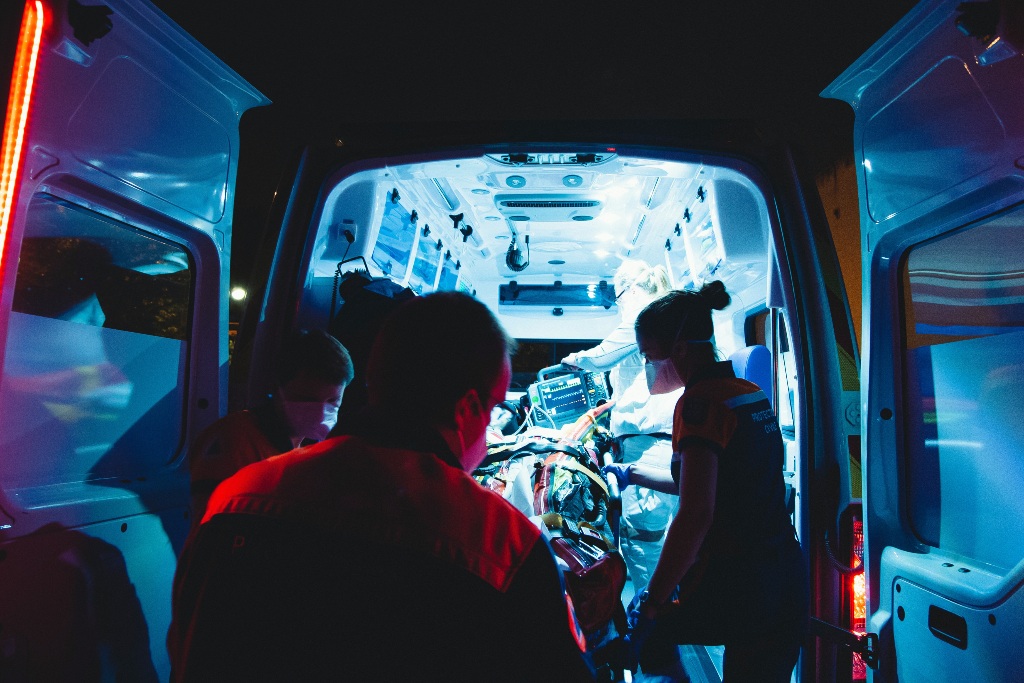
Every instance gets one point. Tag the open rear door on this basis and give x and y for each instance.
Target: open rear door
(120, 148)
(939, 142)
(341, 210)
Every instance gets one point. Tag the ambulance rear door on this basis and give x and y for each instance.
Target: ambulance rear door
(802, 315)
(939, 140)
(120, 149)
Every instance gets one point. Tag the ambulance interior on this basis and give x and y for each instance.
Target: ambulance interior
(538, 236)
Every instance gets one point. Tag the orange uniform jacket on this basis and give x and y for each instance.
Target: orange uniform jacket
(359, 561)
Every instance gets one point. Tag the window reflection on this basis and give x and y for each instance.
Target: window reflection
(94, 368)
(394, 242)
(964, 331)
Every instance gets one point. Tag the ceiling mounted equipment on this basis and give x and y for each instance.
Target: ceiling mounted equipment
(552, 159)
(514, 257)
(548, 208)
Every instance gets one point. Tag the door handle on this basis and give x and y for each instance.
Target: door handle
(946, 626)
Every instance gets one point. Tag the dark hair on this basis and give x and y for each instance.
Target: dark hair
(431, 351)
(318, 354)
(682, 315)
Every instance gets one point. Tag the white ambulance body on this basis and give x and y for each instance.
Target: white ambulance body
(119, 159)
(939, 143)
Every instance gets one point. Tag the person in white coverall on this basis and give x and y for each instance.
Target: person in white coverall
(641, 423)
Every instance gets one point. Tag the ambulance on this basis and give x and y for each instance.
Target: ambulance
(904, 454)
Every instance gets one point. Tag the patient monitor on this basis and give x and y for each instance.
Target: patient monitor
(561, 400)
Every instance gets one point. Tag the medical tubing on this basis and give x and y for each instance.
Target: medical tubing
(337, 280)
(587, 420)
(538, 409)
(334, 294)
(527, 420)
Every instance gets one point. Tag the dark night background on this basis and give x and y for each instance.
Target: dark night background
(324, 64)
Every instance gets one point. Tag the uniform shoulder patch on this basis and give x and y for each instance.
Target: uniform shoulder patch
(695, 409)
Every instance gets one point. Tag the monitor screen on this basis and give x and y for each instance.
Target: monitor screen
(563, 399)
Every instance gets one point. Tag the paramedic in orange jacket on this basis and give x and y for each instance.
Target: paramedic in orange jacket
(312, 375)
(375, 556)
(731, 556)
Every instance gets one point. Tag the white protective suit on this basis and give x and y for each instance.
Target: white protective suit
(643, 424)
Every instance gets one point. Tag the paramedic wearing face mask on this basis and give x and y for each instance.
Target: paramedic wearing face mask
(641, 423)
(314, 371)
(731, 557)
(375, 556)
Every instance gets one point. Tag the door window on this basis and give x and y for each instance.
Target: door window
(533, 355)
(395, 239)
(449, 275)
(424, 267)
(95, 362)
(963, 306)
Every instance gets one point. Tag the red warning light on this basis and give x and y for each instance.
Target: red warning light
(19, 98)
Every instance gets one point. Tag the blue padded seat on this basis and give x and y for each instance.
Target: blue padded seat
(754, 363)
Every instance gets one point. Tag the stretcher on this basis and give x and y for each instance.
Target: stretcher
(553, 475)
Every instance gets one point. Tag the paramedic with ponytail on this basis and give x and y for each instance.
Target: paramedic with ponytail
(640, 423)
(731, 572)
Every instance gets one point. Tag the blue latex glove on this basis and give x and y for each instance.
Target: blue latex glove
(633, 609)
(620, 471)
(640, 628)
(636, 638)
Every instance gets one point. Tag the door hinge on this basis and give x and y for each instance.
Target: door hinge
(864, 644)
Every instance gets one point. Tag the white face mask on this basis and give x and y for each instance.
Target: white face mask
(662, 376)
(310, 419)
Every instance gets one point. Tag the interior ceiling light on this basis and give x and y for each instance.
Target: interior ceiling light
(447, 194)
(639, 229)
(654, 190)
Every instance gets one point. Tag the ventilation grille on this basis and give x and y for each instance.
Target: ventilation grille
(574, 204)
(562, 207)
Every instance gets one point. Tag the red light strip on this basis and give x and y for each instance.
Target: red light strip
(22, 80)
(858, 598)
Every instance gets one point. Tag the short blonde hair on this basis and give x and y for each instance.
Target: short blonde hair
(652, 280)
